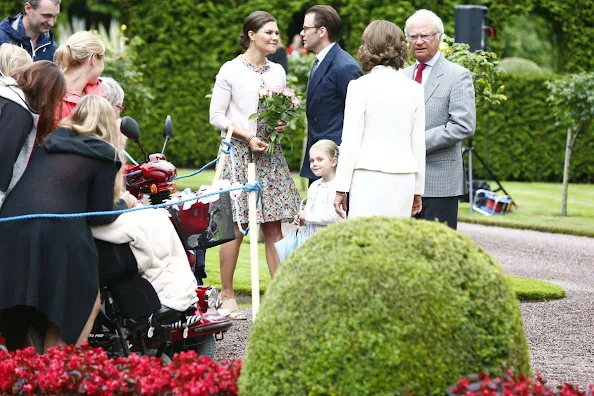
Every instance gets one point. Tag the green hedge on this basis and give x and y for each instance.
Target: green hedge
(188, 41)
(520, 141)
(186, 44)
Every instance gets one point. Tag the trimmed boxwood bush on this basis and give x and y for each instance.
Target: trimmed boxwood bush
(383, 306)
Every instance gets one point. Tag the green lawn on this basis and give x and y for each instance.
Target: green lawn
(539, 206)
(527, 289)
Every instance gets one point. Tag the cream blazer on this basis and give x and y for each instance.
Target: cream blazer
(384, 127)
(236, 94)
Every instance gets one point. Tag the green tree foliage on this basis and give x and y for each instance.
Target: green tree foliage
(572, 98)
(530, 37)
(485, 69)
(392, 307)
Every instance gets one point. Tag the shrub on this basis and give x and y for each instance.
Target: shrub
(84, 370)
(391, 306)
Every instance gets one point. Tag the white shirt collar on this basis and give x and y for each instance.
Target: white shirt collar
(324, 52)
(431, 62)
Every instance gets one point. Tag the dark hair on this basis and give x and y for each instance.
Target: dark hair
(44, 86)
(327, 17)
(253, 22)
(382, 43)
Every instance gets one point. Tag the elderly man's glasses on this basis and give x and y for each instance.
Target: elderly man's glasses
(423, 37)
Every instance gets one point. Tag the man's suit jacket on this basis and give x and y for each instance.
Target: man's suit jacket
(326, 94)
(450, 118)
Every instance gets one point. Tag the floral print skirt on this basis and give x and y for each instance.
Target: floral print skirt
(279, 198)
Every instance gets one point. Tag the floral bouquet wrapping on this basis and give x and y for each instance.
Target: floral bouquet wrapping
(279, 104)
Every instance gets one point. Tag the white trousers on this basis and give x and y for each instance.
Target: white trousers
(375, 193)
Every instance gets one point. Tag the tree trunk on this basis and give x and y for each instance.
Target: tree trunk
(566, 173)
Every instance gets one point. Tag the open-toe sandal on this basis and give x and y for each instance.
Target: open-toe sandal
(230, 305)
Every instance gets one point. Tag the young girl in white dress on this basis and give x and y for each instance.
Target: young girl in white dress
(319, 209)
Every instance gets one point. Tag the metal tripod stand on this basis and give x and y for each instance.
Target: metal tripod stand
(471, 153)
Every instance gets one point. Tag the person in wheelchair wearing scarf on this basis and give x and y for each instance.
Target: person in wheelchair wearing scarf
(145, 242)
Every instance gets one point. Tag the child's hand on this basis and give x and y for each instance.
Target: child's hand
(300, 218)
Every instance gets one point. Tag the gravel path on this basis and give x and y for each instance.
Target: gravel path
(560, 333)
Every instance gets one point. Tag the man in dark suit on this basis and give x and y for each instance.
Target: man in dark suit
(331, 73)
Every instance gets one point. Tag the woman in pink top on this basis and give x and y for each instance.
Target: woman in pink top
(82, 60)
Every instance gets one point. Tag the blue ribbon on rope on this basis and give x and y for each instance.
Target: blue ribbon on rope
(199, 170)
(248, 187)
(228, 150)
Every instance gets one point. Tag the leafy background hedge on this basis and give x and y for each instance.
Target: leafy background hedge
(186, 42)
(519, 139)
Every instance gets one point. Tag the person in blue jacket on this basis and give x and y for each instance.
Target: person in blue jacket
(331, 73)
(31, 30)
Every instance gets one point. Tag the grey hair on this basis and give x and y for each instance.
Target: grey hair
(35, 3)
(430, 14)
(115, 93)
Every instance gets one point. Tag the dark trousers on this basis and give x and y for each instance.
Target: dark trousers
(443, 209)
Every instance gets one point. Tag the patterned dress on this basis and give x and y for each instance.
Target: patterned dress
(279, 198)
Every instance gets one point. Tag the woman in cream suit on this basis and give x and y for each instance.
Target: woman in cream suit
(382, 155)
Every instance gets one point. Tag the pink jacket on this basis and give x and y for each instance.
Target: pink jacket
(72, 98)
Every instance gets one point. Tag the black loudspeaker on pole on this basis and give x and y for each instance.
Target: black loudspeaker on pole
(471, 28)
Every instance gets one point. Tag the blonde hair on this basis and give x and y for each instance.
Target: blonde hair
(93, 116)
(78, 48)
(328, 146)
(12, 57)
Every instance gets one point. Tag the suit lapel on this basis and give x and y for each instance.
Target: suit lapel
(434, 78)
(322, 69)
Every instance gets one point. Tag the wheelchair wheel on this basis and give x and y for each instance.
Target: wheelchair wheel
(205, 345)
(165, 359)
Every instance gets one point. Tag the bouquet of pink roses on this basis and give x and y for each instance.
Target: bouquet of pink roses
(279, 104)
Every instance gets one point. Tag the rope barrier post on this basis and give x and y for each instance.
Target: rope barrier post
(223, 156)
(255, 263)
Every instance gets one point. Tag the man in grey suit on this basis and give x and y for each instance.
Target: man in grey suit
(450, 116)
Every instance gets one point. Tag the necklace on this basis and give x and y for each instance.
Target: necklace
(253, 64)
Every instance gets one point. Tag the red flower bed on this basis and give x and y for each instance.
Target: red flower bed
(509, 385)
(85, 370)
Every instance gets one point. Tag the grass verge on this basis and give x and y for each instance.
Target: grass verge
(528, 289)
(539, 205)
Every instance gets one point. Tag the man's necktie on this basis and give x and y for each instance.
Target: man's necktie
(313, 70)
(419, 75)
